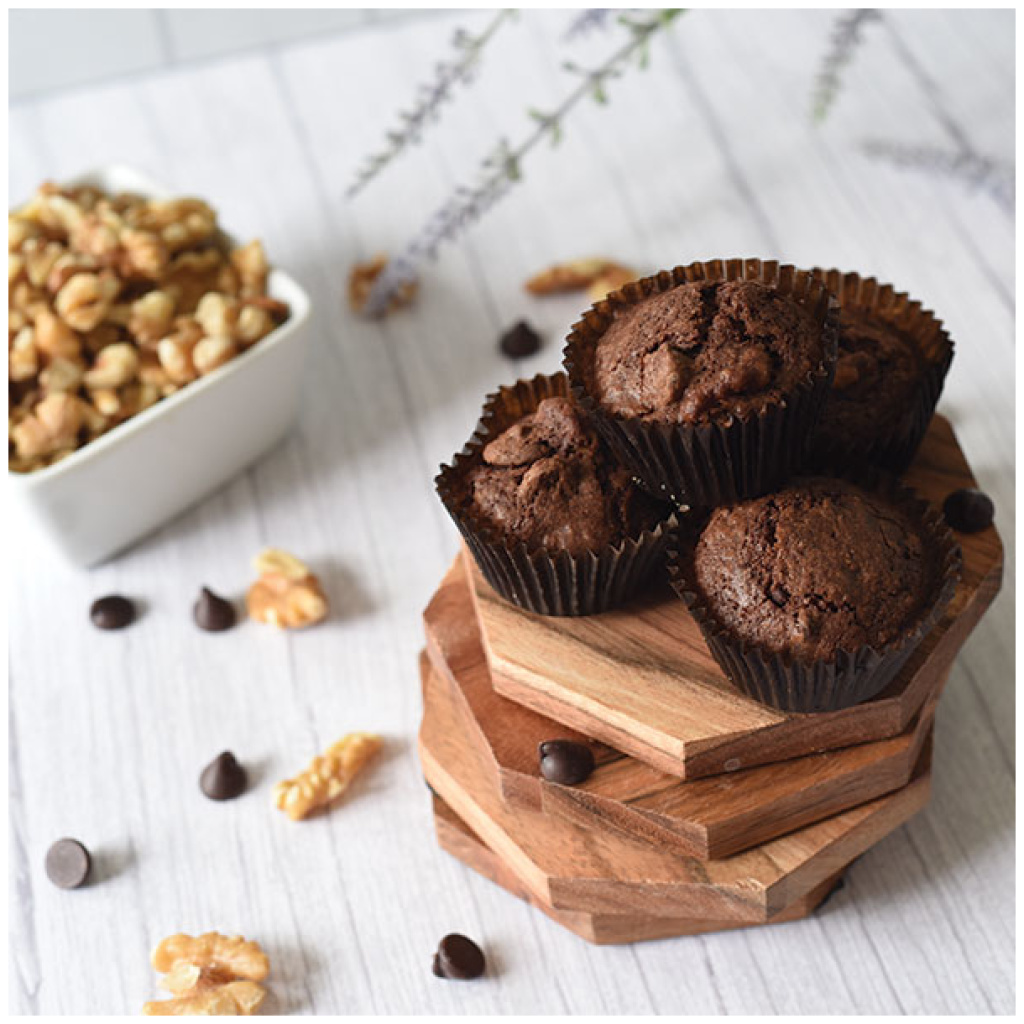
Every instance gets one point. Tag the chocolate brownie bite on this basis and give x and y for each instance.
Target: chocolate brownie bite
(554, 523)
(707, 380)
(892, 362)
(813, 597)
(705, 350)
(548, 481)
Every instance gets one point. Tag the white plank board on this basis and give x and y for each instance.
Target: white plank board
(708, 152)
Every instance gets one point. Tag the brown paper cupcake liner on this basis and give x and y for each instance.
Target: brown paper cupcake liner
(896, 451)
(717, 463)
(539, 580)
(854, 676)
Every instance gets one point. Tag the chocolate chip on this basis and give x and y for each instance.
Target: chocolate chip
(968, 510)
(565, 762)
(67, 863)
(520, 340)
(112, 612)
(223, 778)
(778, 595)
(458, 959)
(213, 613)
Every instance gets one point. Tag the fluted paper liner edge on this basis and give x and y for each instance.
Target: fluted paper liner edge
(539, 580)
(720, 462)
(893, 452)
(854, 676)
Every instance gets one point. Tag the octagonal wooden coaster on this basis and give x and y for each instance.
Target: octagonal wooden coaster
(602, 871)
(707, 818)
(641, 678)
(455, 837)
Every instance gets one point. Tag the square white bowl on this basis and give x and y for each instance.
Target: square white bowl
(114, 490)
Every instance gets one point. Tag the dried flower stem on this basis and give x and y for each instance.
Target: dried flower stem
(431, 97)
(846, 37)
(503, 167)
(587, 21)
(979, 172)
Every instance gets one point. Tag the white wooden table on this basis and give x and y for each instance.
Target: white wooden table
(709, 152)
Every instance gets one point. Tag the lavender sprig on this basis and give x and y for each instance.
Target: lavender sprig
(977, 172)
(502, 168)
(847, 34)
(588, 21)
(431, 98)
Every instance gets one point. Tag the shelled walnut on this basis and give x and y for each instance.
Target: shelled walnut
(287, 594)
(209, 974)
(326, 777)
(362, 278)
(595, 273)
(115, 301)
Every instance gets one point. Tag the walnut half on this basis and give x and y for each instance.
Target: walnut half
(362, 278)
(287, 594)
(235, 999)
(327, 777)
(209, 975)
(569, 276)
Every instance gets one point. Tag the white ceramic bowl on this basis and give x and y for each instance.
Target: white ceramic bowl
(112, 491)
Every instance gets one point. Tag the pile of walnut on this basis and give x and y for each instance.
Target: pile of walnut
(209, 975)
(114, 302)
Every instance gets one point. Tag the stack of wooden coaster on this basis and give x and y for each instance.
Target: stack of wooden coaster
(706, 809)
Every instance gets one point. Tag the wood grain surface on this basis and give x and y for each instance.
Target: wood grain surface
(711, 817)
(601, 870)
(641, 677)
(709, 152)
(458, 839)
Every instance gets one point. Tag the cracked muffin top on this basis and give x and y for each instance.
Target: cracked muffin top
(704, 351)
(819, 567)
(878, 369)
(548, 481)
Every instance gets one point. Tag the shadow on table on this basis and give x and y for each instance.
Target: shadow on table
(293, 979)
(346, 594)
(969, 820)
(110, 861)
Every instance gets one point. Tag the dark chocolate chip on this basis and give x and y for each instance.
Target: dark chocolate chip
(213, 613)
(968, 510)
(458, 959)
(778, 595)
(223, 778)
(565, 762)
(520, 340)
(68, 863)
(112, 612)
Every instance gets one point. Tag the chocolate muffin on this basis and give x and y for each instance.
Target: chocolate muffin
(892, 363)
(703, 351)
(812, 598)
(708, 379)
(554, 523)
(548, 481)
(814, 570)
